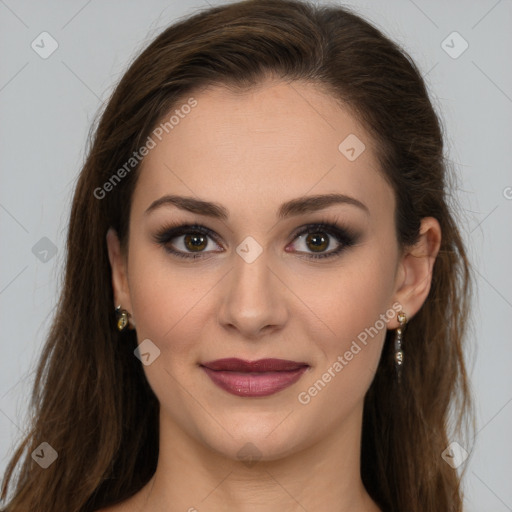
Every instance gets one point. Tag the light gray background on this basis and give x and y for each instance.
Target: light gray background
(47, 106)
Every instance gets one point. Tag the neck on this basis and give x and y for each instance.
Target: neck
(191, 477)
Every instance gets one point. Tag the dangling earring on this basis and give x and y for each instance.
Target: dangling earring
(122, 318)
(399, 353)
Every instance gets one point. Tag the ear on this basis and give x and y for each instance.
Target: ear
(414, 275)
(118, 264)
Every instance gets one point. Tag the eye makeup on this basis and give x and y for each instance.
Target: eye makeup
(317, 233)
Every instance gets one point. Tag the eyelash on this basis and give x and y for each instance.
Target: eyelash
(344, 236)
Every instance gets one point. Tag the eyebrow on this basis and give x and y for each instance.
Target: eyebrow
(298, 206)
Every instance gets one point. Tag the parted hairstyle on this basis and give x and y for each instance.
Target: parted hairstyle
(91, 401)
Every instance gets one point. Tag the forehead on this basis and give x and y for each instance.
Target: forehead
(255, 149)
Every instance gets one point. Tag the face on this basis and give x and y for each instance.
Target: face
(269, 275)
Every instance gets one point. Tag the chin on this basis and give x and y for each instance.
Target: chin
(255, 449)
(264, 437)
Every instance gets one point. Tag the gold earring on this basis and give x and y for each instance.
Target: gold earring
(122, 318)
(399, 353)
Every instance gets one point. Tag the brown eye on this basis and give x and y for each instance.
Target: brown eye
(323, 240)
(315, 241)
(188, 241)
(319, 242)
(195, 242)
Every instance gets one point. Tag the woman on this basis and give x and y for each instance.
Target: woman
(266, 292)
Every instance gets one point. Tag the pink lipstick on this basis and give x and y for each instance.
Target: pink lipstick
(254, 378)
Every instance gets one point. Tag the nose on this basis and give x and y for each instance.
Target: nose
(254, 301)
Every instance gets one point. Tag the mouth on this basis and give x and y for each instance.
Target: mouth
(254, 378)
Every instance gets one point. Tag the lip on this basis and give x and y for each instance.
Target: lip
(262, 377)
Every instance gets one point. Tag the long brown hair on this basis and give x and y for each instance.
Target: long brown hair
(91, 401)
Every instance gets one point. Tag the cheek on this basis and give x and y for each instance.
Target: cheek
(351, 305)
(166, 302)
(350, 356)
(169, 307)
(348, 299)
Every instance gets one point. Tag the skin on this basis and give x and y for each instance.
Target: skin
(251, 152)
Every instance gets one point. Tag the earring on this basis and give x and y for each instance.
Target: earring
(122, 318)
(399, 353)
